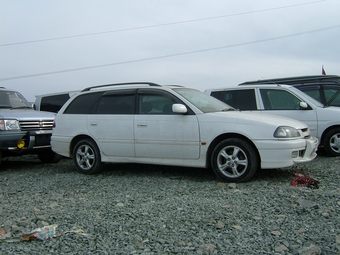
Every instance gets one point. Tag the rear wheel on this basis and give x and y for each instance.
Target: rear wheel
(331, 142)
(49, 156)
(235, 160)
(86, 157)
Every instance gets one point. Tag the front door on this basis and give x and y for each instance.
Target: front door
(160, 133)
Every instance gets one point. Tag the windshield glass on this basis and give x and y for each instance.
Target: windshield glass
(13, 99)
(314, 101)
(203, 101)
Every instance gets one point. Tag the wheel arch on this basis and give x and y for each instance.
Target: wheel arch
(326, 131)
(78, 138)
(222, 137)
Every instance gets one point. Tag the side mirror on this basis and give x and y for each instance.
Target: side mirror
(179, 108)
(303, 105)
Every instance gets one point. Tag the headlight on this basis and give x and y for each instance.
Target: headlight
(286, 132)
(9, 125)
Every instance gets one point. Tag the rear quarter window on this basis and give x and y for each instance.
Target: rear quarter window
(83, 104)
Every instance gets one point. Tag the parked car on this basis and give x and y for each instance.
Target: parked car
(288, 101)
(52, 102)
(24, 130)
(324, 88)
(174, 125)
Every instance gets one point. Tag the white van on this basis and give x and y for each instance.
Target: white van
(52, 102)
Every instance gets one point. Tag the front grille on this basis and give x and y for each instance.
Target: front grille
(28, 125)
(305, 133)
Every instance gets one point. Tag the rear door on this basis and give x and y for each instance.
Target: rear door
(112, 123)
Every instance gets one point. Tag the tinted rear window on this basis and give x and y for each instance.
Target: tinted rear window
(53, 103)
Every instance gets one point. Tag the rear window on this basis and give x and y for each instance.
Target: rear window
(53, 103)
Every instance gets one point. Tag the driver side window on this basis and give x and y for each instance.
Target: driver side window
(155, 104)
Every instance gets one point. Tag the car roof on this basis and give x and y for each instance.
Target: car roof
(5, 89)
(128, 85)
(297, 80)
(235, 87)
(58, 93)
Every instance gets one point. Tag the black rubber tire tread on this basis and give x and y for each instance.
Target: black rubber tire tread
(96, 164)
(247, 148)
(49, 156)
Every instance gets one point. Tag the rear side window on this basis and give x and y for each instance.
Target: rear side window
(239, 99)
(83, 104)
(53, 103)
(116, 104)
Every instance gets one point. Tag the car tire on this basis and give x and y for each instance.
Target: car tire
(331, 142)
(49, 156)
(235, 160)
(86, 157)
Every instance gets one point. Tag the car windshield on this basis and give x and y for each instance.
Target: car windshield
(314, 101)
(203, 101)
(13, 99)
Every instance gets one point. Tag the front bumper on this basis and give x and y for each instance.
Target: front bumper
(287, 152)
(32, 140)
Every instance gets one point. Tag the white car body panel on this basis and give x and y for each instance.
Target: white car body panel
(167, 136)
(115, 136)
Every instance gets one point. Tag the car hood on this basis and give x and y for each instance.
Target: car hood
(257, 117)
(23, 114)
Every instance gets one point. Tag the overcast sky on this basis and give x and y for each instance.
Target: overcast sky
(60, 45)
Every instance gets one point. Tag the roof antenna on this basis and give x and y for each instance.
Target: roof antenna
(269, 81)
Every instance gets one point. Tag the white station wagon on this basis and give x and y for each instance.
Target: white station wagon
(173, 125)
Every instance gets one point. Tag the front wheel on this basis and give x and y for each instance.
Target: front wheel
(235, 160)
(331, 142)
(86, 157)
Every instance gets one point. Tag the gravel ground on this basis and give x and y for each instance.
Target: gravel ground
(143, 209)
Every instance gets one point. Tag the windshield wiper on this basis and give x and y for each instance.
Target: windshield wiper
(228, 109)
(6, 106)
(22, 107)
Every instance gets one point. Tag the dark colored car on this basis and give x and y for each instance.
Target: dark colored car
(324, 88)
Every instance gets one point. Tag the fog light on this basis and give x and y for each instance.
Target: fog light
(295, 154)
(21, 144)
